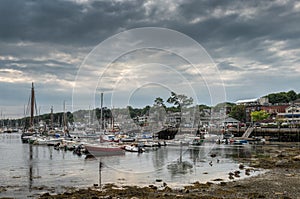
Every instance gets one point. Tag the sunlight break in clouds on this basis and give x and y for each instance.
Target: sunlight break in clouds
(144, 63)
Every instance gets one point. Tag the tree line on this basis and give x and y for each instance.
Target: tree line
(175, 103)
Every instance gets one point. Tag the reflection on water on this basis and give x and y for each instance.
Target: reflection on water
(29, 169)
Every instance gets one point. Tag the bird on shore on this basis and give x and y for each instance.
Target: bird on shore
(210, 163)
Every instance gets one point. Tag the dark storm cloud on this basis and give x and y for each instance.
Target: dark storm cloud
(87, 23)
(65, 21)
(240, 27)
(227, 20)
(257, 39)
(36, 67)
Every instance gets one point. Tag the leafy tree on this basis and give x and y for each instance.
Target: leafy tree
(180, 100)
(259, 115)
(278, 98)
(106, 113)
(283, 97)
(133, 112)
(159, 102)
(145, 110)
(292, 95)
(238, 112)
(202, 107)
(173, 99)
(136, 112)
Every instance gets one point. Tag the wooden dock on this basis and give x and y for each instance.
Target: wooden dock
(280, 134)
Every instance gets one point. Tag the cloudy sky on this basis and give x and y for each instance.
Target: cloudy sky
(75, 49)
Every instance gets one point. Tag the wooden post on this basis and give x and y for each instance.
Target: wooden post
(100, 167)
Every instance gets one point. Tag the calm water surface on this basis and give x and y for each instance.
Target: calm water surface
(29, 170)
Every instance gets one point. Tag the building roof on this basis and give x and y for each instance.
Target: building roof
(231, 120)
(297, 101)
(246, 101)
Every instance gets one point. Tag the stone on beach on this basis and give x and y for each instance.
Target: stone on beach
(296, 158)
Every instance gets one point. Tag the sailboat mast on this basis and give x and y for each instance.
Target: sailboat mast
(65, 117)
(52, 118)
(101, 111)
(32, 106)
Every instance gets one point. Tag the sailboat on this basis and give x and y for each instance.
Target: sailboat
(104, 148)
(28, 133)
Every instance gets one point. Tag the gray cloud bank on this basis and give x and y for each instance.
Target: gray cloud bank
(255, 44)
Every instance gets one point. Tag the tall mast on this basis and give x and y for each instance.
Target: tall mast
(65, 117)
(32, 106)
(101, 111)
(52, 118)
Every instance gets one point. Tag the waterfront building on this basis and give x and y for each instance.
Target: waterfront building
(291, 114)
(274, 110)
(262, 103)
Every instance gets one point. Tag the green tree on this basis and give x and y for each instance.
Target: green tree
(202, 107)
(283, 97)
(145, 110)
(258, 116)
(180, 100)
(159, 102)
(292, 95)
(238, 112)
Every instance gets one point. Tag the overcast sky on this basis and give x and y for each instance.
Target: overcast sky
(253, 48)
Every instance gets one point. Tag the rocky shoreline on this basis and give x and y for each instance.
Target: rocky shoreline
(282, 180)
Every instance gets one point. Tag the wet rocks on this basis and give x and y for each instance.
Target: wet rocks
(218, 180)
(2, 189)
(282, 168)
(213, 155)
(241, 166)
(296, 158)
(247, 172)
(153, 186)
(237, 174)
(223, 183)
(281, 163)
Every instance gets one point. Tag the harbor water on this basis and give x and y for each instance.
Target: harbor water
(30, 170)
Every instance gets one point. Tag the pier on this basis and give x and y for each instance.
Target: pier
(272, 134)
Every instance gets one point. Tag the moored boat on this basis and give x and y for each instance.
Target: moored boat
(104, 150)
(134, 148)
(240, 142)
(28, 134)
